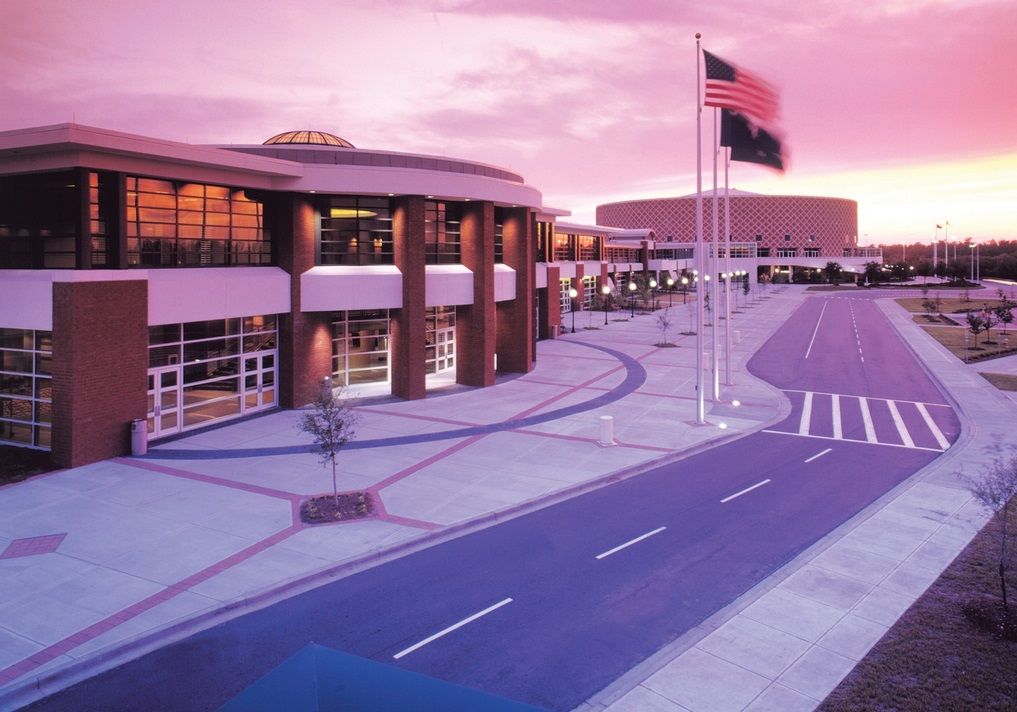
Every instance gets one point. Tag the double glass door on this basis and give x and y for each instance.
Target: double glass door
(164, 401)
(259, 381)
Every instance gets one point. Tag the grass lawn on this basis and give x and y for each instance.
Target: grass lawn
(953, 338)
(952, 305)
(935, 658)
(19, 463)
(1002, 381)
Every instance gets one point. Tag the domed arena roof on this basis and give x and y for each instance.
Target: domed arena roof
(312, 138)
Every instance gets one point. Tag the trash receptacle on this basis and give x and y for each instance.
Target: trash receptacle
(139, 437)
(554, 331)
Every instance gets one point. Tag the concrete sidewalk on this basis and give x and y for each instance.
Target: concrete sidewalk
(787, 643)
(104, 562)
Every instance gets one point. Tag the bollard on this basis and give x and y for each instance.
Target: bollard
(606, 430)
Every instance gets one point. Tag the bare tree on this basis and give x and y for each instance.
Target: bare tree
(331, 421)
(995, 490)
(664, 323)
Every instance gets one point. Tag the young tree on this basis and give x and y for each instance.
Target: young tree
(1004, 314)
(331, 422)
(873, 271)
(664, 323)
(975, 324)
(988, 321)
(995, 490)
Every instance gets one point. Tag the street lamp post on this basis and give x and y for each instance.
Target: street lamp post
(670, 291)
(653, 292)
(606, 292)
(632, 298)
(573, 293)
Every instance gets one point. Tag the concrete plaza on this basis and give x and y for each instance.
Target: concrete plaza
(104, 562)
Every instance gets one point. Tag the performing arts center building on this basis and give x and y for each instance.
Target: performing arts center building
(175, 286)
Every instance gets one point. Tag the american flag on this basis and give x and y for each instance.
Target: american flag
(730, 87)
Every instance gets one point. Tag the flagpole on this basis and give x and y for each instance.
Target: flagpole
(727, 269)
(700, 263)
(714, 261)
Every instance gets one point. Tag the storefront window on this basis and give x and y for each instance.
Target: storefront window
(360, 347)
(356, 231)
(26, 387)
(172, 224)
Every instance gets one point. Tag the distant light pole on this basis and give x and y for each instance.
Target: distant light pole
(572, 295)
(972, 246)
(685, 289)
(670, 291)
(606, 291)
(653, 292)
(632, 298)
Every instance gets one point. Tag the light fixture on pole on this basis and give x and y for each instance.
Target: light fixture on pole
(606, 291)
(653, 291)
(670, 290)
(632, 298)
(572, 295)
(972, 246)
(685, 289)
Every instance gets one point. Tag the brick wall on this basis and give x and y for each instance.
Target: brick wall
(516, 345)
(476, 323)
(408, 323)
(100, 368)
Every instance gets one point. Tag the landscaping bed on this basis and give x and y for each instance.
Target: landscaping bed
(20, 463)
(967, 349)
(322, 509)
(1002, 381)
(945, 652)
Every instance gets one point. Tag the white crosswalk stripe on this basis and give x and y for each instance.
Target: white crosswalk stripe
(891, 428)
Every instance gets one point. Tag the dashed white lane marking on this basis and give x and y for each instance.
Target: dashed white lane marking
(936, 432)
(870, 431)
(837, 431)
(747, 489)
(638, 539)
(816, 330)
(902, 429)
(451, 628)
(803, 426)
(819, 454)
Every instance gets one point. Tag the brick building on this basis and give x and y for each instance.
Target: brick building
(184, 285)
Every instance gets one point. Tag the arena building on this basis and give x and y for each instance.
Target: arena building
(182, 285)
(770, 234)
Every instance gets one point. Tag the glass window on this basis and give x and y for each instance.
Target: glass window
(442, 232)
(39, 220)
(194, 224)
(360, 346)
(26, 387)
(355, 231)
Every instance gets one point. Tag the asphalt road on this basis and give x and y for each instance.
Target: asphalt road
(550, 607)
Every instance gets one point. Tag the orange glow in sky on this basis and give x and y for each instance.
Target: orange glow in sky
(905, 106)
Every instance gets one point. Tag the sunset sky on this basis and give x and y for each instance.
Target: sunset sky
(908, 107)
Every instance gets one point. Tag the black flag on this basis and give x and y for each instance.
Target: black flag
(749, 143)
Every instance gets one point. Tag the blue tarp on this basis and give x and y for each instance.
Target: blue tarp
(320, 679)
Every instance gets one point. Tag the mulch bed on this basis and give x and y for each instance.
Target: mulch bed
(322, 509)
(20, 463)
(952, 650)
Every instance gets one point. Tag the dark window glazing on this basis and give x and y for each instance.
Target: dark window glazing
(173, 224)
(39, 216)
(442, 232)
(356, 231)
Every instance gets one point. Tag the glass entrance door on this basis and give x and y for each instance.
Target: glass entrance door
(164, 399)
(441, 350)
(259, 381)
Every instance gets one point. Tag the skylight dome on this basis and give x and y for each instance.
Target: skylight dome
(311, 138)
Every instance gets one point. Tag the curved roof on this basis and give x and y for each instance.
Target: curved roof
(313, 138)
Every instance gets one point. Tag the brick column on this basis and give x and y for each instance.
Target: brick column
(476, 326)
(408, 323)
(577, 284)
(550, 308)
(305, 338)
(516, 344)
(100, 368)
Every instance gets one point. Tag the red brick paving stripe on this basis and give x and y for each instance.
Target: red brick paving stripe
(208, 479)
(55, 650)
(33, 546)
(392, 479)
(594, 441)
(533, 409)
(417, 416)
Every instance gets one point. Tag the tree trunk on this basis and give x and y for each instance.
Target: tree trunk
(335, 488)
